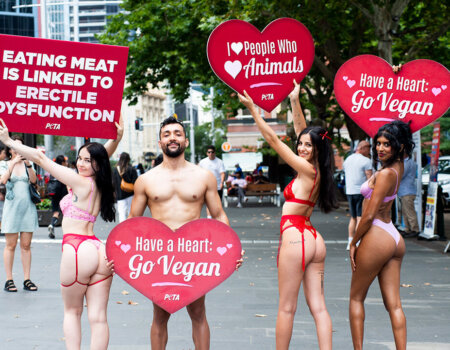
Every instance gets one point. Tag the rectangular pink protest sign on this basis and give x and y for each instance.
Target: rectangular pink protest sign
(59, 87)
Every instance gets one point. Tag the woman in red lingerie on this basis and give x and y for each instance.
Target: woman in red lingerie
(381, 247)
(84, 272)
(301, 252)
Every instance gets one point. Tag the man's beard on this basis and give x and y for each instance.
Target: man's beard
(173, 154)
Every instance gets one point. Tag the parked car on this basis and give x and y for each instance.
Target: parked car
(443, 177)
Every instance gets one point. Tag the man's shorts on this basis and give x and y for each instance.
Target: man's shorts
(220, 193)
(355, 204)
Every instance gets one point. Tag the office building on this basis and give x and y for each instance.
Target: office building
(18, 21)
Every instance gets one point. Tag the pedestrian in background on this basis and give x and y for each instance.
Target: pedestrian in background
(4, 157)
(238, 187)
(19, 215)
(56, 190)
(238, 169)
(214, 165)
(84, 272)
(381, 248)
(302, 251)
(157, 161)
(124, 171)
(140, 169)
(407, 194)
(357, 169)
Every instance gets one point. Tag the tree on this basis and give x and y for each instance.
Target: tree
(168, 39)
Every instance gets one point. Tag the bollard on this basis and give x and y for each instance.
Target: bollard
(440, 215)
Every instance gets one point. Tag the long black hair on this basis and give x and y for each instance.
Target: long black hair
(398, 133)
(323, 155)
(124, 162)
(103, 178)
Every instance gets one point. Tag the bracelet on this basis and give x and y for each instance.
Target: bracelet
(28, 166)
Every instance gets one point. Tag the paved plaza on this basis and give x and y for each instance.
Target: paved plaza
(241, 311)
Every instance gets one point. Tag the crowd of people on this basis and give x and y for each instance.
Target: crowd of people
(376, 248)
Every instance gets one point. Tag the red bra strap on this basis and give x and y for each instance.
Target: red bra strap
(314, 184)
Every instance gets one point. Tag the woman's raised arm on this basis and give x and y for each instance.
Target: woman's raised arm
(297, 113)
(62, 173)
(111, 145)
(299, 164)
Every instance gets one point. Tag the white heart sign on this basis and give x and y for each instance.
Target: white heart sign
(233, 68)
(237, 47)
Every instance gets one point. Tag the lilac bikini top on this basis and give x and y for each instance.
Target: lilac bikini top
(71, 211)
(366, 191)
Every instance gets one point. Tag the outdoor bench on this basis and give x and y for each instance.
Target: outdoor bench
(257, 190)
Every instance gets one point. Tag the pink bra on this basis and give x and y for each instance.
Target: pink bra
(290, 197)
(366, 191)
(71, 211)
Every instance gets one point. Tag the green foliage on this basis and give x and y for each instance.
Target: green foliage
(204, 135)
(45, 204)
(168, 38)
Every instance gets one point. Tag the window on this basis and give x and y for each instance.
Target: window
(26, 9)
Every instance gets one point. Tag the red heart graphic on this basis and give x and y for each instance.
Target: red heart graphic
(173, 269)
(262, 63)
(372, 95)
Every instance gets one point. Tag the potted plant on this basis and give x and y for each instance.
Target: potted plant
(45, 213)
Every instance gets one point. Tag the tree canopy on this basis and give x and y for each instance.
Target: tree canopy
(168, 38)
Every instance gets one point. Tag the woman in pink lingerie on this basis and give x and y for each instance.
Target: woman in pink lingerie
(84, 272)
(381, 247)
(301, 252)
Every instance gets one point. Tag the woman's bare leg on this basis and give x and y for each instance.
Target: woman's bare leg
(8, 253)
(376, 248)
(313, 286)
(25, 253)
(290, 275)
(97, 296)
(389, 280)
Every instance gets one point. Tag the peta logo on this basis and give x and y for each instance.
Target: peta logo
(53, 126)
(267, 97)
(172, 297)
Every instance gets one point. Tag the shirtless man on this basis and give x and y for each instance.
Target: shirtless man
(175, 192)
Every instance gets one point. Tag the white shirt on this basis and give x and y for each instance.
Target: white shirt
(355, 167)
(215, 166)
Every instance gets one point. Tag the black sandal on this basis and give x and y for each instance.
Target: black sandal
(30, 286)
(10, 286)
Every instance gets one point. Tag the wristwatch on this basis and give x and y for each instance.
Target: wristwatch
(28, 166)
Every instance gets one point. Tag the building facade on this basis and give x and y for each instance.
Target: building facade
(77, 20)
(142, 145)
(18, 20)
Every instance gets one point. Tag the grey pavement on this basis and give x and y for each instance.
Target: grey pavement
(241, 311)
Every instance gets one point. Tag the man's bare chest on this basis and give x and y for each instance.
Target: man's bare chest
(188, 190)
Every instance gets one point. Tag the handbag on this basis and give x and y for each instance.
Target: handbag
(125, 186)
(34, 194)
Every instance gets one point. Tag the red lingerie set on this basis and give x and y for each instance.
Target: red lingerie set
(71, 211)
(300, 222)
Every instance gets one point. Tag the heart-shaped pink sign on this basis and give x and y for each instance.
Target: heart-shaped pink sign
(173, 269)
(262, 63)
(371, 94)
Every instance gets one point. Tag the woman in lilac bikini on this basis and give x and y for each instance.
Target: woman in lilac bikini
(381, 247)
